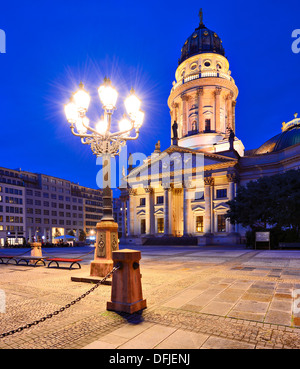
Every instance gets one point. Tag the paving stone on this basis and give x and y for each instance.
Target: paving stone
(222, 343)
(149, 338)
(218, 308)
(278, 317)
(181, 340)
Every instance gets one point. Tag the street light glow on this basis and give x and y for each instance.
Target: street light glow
(108, 95)
(82, 99)
(132, 103)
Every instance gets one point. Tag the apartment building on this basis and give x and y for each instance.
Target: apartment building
(39, 207)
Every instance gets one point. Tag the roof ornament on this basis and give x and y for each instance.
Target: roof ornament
(291, 124)
(201, 17)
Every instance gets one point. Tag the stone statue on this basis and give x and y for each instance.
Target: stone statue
(175, 129)
(231, 139)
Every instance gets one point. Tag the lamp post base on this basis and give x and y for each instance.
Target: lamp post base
(106, 242)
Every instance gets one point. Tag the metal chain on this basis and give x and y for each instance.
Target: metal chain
(36, 322)
(78, 257)
(19, 254)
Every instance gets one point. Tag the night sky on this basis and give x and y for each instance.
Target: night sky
(53, 45)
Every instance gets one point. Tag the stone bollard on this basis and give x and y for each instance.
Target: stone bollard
(36, 251)
(126, 292)
(106, 243)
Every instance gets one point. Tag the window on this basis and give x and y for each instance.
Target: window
(159, 200)
(199, 195)
(221, 223)
(160, 225)
(222, 193)
(142, 201)
(199, 224)
(143, 226)
(194, 126)
(207, 125)
(38, 202)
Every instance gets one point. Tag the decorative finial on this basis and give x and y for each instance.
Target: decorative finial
(296, 115)
(201, 17)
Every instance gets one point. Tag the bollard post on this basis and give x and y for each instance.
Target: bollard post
(36, 251)
(126, 292)
(106, 242)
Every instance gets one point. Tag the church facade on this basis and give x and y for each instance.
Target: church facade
(202, 108)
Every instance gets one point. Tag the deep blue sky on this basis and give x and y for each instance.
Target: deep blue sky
(53, 45)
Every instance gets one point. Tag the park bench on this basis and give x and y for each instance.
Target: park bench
(8, 257)
(27, 260)
(62, 260)
(19, 259)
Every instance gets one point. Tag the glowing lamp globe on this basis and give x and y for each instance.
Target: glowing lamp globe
(125, 125)
(132, 103)
(108, 95)
(102, 126)
(82, 99)
(82, 124)
(71, 112)
(139, 119)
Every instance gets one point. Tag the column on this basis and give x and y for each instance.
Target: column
(232, 179)
(233, 115)
(171, 209)
(217, 109)
(186, 208)
(123, 217)
(200, 110)
(184, 115)
(208, 221)
(128, 217)
(131, 212)
(229, 111)
(166, 211)
(151, 206)
(148, 211)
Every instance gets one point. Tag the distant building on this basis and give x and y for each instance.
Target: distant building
(118, 209)
(41, 207)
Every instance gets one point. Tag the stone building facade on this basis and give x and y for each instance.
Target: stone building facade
(202, 102)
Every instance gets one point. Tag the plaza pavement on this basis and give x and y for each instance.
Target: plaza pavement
(197, 297)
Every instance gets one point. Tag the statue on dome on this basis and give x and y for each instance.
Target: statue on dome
(175, 133)
(231, 139)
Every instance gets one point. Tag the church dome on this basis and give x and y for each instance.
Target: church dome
(202, 40)
(290, 136)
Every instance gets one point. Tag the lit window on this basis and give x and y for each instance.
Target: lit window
(199, 224)
(221, 223)
(160, 225)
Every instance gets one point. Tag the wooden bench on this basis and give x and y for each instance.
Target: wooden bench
(62, 260)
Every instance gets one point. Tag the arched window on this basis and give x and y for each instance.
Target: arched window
(194, 126)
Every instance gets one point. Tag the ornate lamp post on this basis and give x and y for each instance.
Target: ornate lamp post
(105, 144)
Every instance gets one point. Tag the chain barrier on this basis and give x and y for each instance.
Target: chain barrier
(20, 254)
(79, 257)
(49, 316)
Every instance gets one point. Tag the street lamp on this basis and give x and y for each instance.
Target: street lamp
(105, 144)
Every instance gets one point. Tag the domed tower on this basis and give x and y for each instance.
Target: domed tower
(203, 98)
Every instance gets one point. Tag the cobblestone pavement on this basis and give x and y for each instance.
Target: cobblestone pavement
(196, 297)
